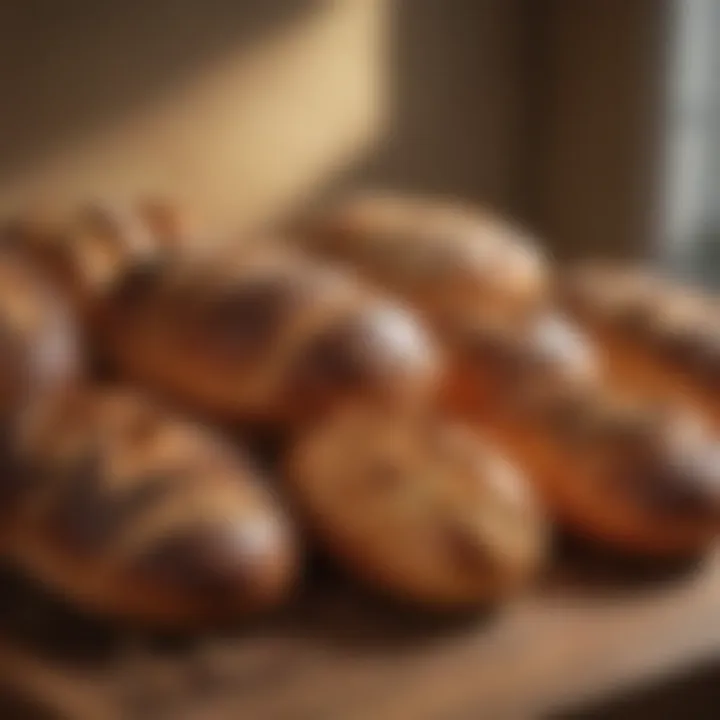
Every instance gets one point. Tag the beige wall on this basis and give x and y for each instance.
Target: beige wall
(238, 107)
(242, 107)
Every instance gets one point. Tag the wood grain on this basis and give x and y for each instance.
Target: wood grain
(341, 654)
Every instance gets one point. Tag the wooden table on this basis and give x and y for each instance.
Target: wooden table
(339, 655)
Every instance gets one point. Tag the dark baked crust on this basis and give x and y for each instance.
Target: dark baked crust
(617, 469)
(269, 336)
(132, 512)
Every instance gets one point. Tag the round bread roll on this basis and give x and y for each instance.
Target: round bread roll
(619, 471)
(420, 509)
(456, 263)
(38, 340)
(131, 512)
(659, 338)
(266, 336)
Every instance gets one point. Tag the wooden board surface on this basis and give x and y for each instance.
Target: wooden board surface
(592, 630)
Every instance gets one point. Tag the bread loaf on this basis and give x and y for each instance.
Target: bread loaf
(453, 261)
(658, 337)
(265, 336)
(607, 462)
(418, 508)
(610, 466)
(132, 512)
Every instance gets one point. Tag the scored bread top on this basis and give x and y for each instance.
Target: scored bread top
(138, 512)
(418, 506)
(265, 333)
(660, 458)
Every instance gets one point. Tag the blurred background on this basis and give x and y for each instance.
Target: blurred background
(595, 121)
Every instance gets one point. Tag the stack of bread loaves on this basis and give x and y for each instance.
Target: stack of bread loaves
(438, 409)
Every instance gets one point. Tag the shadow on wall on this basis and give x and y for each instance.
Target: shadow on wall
(68, 68)
(458, 101)
(244, 108)
(237, 108)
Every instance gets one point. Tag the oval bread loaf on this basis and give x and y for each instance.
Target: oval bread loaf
(268, 336)
(132, 512)
(658, 337)
(456, 263)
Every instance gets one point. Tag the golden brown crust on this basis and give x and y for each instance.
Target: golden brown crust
(618, 471)
(518, 381)
(455, 262)
(269, 336)
(659, 338)
(132, 512)
(419, 508)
